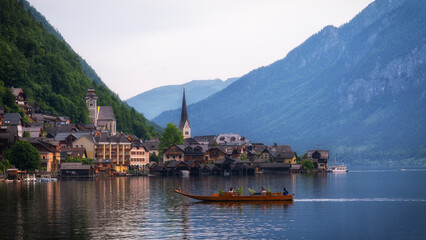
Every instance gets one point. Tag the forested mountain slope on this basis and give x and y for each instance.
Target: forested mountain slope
(51, 74)
(358, 90)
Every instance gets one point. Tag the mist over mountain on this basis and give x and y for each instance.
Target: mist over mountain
(155, 101)
(358, 90)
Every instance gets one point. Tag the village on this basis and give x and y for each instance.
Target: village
(111, 153)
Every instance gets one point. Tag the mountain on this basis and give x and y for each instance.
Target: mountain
(358, 90)
(155, 101)
(51, 74)
(87, 69)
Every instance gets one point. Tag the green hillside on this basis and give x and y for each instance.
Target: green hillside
(51, 73)
(358, 90)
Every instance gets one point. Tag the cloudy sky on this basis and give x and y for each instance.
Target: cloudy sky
(137, 45)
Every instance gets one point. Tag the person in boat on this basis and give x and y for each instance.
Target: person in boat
(231, 190)
(285, 192)
(263, 191)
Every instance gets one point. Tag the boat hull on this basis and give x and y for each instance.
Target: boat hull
(234, 197)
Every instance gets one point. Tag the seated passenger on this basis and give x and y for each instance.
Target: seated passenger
(263, 191)
(285, 192)
(231, 190)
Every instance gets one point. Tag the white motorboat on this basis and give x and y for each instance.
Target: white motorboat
(337, 169)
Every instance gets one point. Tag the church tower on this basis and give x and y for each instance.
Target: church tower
(91, 101)
(184, 122)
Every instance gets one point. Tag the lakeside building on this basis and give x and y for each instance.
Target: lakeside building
(139, 155)
(152, 146)
(76, 170)
(116, 148)
(319, 158)
(50, 152)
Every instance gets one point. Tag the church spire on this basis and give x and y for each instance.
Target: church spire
(184, 122)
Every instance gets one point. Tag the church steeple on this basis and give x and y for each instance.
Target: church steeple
(184, 122)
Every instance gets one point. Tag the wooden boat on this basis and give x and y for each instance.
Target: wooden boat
(235, 197)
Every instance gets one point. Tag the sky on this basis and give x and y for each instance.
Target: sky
(138, 45)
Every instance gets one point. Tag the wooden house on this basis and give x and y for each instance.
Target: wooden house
(61, 120)
(76, 170)
(195, 153)
(175, 152)
(175, 167)
(319, 158)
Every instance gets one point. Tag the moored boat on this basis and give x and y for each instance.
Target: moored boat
(235, 197)
(337, 169)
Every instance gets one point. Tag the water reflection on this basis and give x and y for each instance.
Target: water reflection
(147, 207)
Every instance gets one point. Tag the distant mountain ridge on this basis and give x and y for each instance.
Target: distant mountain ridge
(358, 90)
(155, 101)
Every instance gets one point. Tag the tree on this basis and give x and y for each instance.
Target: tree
(308, 165)
(25, 156)
(26, 134)
(171, 136)
(86, 161)
(153, 158)
(299, 159)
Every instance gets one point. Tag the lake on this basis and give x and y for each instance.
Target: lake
(363, 204)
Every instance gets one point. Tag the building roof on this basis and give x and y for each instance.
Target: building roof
(12, 119)
(105, 113)
(75, 166)
(231, 139)
(34, 131)
(190, 141)
(16, 91)
(323, 153)
(64, 128)
(184, 113)
(119, 139)
(193, 148)
(42, 145)
(63, 118)
(174, 163)
(138, 145)
(152, 144)
(205, 139)
(64, 135)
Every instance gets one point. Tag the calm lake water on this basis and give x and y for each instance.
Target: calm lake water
(374, 204)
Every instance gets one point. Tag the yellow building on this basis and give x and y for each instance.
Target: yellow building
(49, 153)
(87, 142)
(116, 148)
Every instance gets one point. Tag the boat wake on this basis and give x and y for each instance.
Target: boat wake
(358, 200)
